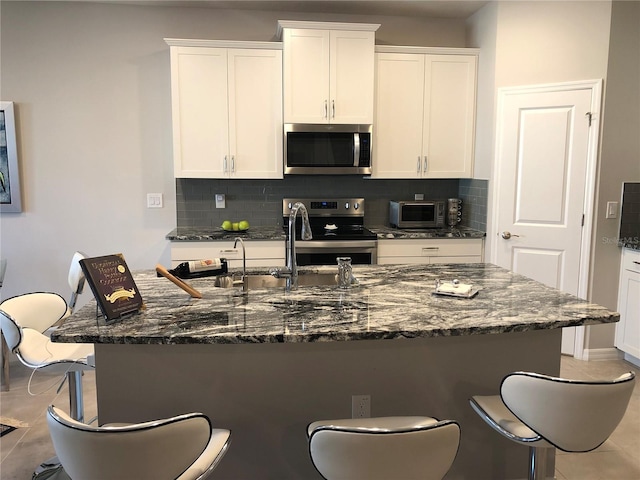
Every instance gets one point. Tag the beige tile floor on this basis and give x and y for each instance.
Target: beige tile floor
(23, 449)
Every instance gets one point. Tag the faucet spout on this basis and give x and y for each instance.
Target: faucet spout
(244, 262)
(292, 267)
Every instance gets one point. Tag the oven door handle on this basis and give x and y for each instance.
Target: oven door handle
(317, 246)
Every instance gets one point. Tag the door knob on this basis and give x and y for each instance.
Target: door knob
(507, 235)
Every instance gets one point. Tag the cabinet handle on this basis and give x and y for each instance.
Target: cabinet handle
(224, 164)
(637, 263)
(419, 165)
(333, 109)
(326, 111)
(425, 164)
(233, 164)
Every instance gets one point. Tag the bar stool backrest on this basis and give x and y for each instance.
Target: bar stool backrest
(151, 450)
(425, 452)
(574, 416)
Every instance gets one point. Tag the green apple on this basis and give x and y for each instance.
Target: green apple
(236, 227)
(243, 225)
(226, 225)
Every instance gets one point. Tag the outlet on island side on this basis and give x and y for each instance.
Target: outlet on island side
(360, 406)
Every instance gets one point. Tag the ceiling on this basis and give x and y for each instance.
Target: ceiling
(413, 8)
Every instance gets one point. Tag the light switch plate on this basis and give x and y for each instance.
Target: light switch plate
(154, 200)
(612, 210)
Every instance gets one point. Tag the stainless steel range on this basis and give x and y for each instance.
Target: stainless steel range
(337, 226)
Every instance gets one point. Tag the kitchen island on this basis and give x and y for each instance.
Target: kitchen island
(266, 363)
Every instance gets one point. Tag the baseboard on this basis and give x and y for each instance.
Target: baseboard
(631, 359)
(594, 354)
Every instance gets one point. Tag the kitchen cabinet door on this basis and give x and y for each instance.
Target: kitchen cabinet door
(426, 127)
(227, 112)
(328, 76)
(418, 251)
(351, 80)
(255, 113)
(260, 253)
(628, 328)
(449, 116)
(306, 75)
(200, 111)
(397, 145)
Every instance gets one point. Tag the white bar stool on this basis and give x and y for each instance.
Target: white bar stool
(382, 448)
(545, 412)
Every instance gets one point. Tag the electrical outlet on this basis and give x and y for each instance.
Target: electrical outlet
(418, 196)
(220, 200)
(360, 406)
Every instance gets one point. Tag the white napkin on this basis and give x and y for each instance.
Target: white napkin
(459, 289)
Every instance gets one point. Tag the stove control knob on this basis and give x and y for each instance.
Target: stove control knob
(346, 206)
(356, 206)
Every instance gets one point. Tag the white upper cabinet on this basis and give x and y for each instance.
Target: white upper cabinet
(425, 113)
(328, 72)
(227, 110)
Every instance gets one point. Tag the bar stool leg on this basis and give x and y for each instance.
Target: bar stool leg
(76, 401)
(537, 463)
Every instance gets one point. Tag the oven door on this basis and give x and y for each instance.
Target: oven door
(325, 253)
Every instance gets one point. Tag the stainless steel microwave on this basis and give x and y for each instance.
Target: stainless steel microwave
(313, 149)
(416, 214)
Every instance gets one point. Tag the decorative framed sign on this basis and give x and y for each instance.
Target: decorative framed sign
(10, 198)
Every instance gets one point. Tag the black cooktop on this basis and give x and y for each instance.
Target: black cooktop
(322, 229)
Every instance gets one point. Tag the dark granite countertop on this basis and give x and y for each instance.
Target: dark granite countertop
(391, 302)
(631, 244)
(385, 232)
(195, 234)
(276, 232)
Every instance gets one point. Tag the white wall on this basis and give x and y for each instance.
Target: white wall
(533, 42)
(92, 92)
(620, 156)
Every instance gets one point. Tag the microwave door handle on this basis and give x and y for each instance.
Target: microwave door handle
(356, 149)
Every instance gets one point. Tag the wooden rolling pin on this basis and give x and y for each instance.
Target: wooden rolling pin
(179, 282)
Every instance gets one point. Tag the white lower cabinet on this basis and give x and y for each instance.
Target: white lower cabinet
(628, 329)
(418, 251)
(263, 253)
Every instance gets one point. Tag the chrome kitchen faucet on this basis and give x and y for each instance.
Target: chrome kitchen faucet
(290, 272)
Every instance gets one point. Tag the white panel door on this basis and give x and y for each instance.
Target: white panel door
(200, 111)
(351, 67)
(398, 118)
(306, 75)
(255, 113)
(542, 158)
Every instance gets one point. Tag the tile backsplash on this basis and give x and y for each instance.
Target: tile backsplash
(260, 201)
(630, 215)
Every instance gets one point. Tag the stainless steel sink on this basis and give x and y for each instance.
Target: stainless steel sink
(268, 281)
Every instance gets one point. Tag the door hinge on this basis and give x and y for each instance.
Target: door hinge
(589, 115)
